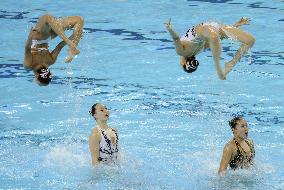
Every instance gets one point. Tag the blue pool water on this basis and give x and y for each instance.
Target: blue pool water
(172, 125)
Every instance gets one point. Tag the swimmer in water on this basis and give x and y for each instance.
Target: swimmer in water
(103, 140)
(37, 55)
(208, 35)
(239, 152)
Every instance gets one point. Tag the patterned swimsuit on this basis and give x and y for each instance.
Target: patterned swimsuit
(191, 35)
(242, 160)
(108, 151)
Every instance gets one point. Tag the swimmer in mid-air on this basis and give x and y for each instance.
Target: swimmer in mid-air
(37, 56)
(239, 152)
(208, 35)
(103, 140)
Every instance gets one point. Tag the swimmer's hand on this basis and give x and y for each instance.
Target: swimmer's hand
(242, 21)
(168, 24)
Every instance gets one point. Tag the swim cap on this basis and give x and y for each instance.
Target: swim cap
(44, 76)
(190, 65)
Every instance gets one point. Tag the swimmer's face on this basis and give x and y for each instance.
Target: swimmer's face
(101, 113)
(241, 129)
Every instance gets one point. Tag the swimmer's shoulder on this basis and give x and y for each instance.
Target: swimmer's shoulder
(95, 133)
(95, 130)
(230, 146)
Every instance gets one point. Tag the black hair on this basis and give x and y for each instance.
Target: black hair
(190, 65)
(44, 76)
(93, 109)
(234, 121)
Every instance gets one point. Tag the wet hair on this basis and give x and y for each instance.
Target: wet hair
(44, 76)
(93, 109)
(234, 121)
(190, 65)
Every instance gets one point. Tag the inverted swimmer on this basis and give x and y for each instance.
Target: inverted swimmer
(209, 35)
(38, 57)
(239, 152)
(103, 140)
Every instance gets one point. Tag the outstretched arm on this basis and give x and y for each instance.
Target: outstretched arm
(242, 21)
(179, 46)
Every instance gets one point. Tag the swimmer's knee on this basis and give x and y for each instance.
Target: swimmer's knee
(251, 41)
(80, 20)
(47, 17)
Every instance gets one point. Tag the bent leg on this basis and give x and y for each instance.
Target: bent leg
(57, 28)
(245, 38)
(75, 22)
(211, 35)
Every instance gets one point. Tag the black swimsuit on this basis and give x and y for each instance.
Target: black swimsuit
(242, 160)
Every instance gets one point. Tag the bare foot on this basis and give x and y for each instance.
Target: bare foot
(72, 53)
(222, 77)
(69, 58)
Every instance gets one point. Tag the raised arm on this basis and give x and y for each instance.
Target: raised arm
(94, 146)
(178, 45)
(242, 21)
(227, 153)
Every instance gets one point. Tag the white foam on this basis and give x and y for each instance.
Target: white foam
(63, 156)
